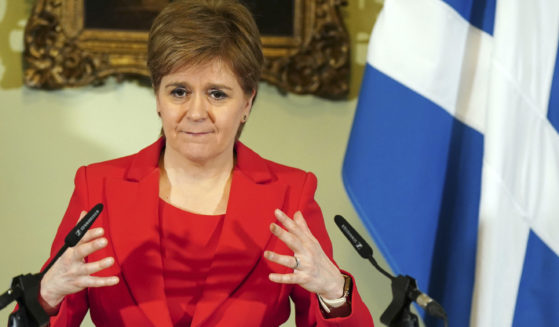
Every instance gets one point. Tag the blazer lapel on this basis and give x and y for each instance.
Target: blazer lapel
(252, 201)
(132, 206)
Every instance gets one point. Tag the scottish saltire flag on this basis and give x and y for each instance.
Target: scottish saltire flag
(453, 158)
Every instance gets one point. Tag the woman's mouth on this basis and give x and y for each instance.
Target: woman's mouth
(196, 133)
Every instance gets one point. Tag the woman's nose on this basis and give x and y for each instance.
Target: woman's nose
(197, 108)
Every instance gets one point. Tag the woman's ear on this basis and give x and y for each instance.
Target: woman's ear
(251, 99)
(157, 105)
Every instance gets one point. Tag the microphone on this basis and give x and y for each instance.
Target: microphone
(354, 238)
(77, 233)
(359, 243)
(430, 306)
(83, 225)
(26, 287)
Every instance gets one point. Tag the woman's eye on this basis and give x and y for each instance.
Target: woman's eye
(178, 92)
(218, 95)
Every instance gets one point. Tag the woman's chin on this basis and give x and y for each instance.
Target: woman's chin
(200, 154)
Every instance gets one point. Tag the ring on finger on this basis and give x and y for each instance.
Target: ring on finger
(297, 263)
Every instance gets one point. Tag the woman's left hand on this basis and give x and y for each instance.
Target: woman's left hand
(312, 269)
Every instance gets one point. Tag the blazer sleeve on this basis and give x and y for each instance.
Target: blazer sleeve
(74, 307)
(307, 307)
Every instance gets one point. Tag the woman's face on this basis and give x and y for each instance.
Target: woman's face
(201, 108)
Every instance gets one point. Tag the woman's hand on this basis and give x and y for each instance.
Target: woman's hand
(70, 274)
(312, 269)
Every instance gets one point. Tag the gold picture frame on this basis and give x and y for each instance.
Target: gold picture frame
(60, 51)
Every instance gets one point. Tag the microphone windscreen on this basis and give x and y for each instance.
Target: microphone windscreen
(83, 225)
(354, 238)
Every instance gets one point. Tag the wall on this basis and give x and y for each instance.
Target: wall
(46, 135)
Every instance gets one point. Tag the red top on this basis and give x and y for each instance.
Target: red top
(188, 243)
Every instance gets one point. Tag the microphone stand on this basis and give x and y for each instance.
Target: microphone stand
(25, 288)
(398, 313)
(404, 288)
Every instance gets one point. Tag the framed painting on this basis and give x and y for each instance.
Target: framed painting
(72, 43)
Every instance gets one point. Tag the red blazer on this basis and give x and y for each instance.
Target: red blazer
(237, 291)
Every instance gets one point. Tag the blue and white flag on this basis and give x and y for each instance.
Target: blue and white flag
(453, 158)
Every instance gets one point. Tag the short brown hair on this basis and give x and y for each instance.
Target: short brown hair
(197, 31)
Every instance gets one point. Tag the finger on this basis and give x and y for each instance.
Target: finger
(284, 260)
(286, 237)
(82, 214)
(92, 281)
(300, 220)
(92, 234)
(283, 278)
(83, 250)
(93, 267)
(287, 222)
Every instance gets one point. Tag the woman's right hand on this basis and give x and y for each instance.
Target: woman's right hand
(71, 274)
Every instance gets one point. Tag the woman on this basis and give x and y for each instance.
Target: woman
(198, 229)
